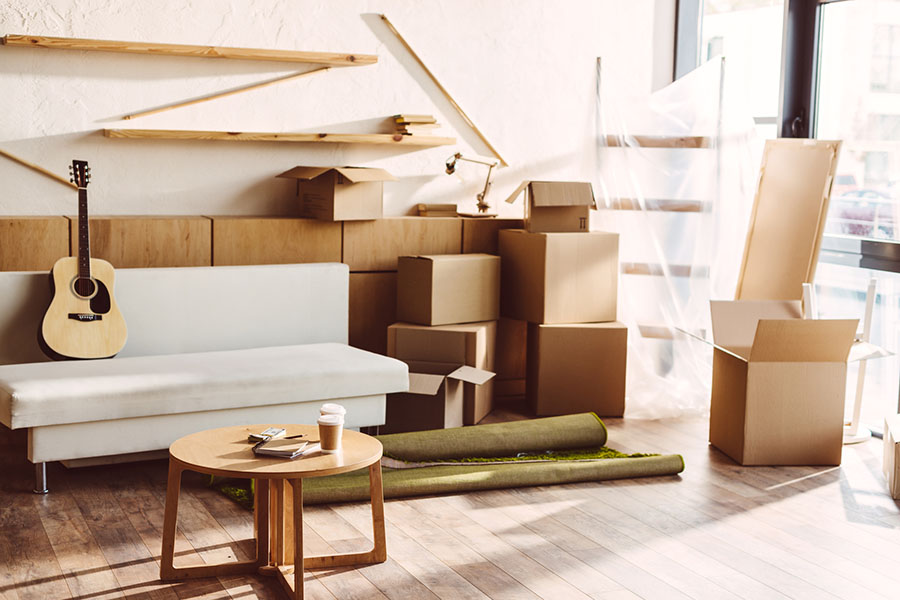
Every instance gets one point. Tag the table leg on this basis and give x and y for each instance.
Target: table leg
(378, 553)
(167, 570)
(297, 485)
(173, 489)
(291, 575)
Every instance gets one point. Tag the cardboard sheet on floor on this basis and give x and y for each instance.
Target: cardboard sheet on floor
(788, 218)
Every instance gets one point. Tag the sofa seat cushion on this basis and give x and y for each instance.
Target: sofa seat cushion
(36, 394)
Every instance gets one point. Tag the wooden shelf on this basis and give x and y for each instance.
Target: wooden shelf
(322, 58)
(248, 136)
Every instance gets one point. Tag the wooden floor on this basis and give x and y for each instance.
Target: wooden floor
(717, 531)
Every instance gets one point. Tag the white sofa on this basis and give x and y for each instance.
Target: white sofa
(207, 347)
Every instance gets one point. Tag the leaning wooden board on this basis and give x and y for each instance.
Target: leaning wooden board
(149, 241)
(32, 243)
(788, 218)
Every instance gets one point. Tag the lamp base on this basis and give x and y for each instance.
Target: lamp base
(862, 434)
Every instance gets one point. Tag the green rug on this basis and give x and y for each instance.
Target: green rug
(547, 451)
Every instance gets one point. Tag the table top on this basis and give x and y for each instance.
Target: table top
(227, 452)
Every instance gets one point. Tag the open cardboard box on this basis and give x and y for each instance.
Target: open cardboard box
(891, 465)
(556, 206)
(340, 193)
(469, 344)
(435, 398)
(779, 382)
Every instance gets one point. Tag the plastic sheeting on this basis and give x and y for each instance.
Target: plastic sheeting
(682, 214)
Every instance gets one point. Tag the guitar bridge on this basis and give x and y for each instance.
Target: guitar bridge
(85, 317)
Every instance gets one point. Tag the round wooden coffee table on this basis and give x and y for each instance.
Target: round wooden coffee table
(278, 503)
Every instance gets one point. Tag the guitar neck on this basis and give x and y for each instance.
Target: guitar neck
(84, 242)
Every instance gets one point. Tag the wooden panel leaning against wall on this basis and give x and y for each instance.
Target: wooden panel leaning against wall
(274, 240)
(32, 243)
(148, 241)
(375, 245)
(373, 306)
(480, 235)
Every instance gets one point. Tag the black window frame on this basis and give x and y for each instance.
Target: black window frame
(797, 108)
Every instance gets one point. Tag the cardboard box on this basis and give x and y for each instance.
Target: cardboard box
(373, 306)
(577, 368)
(778, 383)
(556, 206)
(435, 398)
(340, 193)
(375, 245)
(559, 277)
(448, 288)
(471, 344)
(891, 465)
(480, 235)
(512, 340)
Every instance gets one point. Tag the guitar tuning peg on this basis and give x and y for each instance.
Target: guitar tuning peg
(71, 180)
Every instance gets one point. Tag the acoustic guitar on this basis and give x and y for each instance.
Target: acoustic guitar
(83, 320)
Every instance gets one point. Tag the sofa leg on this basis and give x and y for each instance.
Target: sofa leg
(40, 478)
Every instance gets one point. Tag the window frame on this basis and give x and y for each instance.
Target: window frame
(797, 105)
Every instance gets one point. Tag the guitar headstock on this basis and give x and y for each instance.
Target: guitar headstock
(80, 173)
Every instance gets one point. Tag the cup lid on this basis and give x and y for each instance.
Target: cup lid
(331, 408)
(331, 420)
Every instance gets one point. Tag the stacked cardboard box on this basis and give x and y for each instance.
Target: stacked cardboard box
(448, 306)
(562, 279)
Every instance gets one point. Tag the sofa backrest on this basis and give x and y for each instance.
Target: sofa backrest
(195, 309)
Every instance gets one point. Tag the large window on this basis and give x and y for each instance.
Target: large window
(830, 69)
(748, 34)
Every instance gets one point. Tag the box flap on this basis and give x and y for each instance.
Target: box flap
(354, 174)
(562, 193)
(360, 174)
(734, 321)
(471, 375)
(304, 173)
(803, 340)
(519, 190)
(425, 383)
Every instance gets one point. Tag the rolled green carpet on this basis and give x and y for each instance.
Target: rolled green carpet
(584, 430)
(552, 450)
(402, 483)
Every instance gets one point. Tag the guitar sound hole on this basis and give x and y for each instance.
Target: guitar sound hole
(84, 287)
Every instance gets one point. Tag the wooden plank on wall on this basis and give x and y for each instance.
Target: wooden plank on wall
(375, 245)
(148, 241)
(65, 43)
(480, 235)
(274, 240)
(373, 306)
(32, 243)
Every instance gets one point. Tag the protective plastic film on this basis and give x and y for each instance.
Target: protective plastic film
(676, 174)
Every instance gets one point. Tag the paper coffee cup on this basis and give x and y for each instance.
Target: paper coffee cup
(332, 409)
(330, 429)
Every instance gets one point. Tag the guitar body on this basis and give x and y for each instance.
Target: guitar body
(86, 324)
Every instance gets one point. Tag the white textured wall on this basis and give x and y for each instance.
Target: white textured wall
(524, 71)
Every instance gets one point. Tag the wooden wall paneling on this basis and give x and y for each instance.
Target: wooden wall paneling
(274, 240)
(32, 243)
(373, 306)
(375, 245)
(510, 360)
(148, 241)
(480, 235)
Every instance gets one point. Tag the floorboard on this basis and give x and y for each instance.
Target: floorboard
(717, 531)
